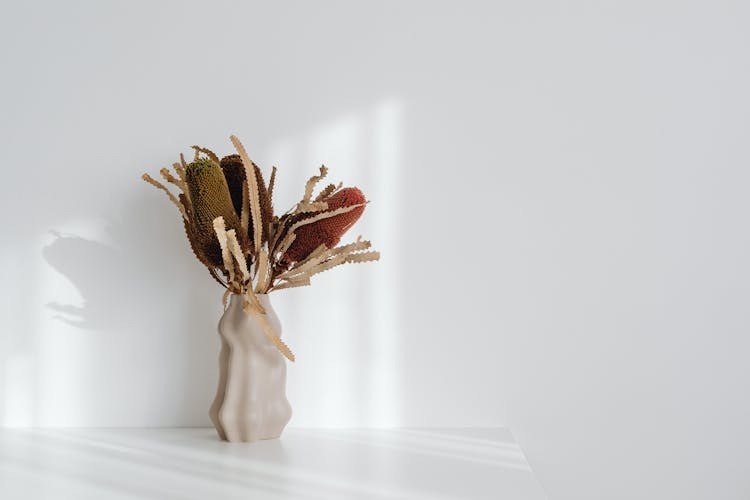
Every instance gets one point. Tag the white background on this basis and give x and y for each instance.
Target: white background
(559, 190)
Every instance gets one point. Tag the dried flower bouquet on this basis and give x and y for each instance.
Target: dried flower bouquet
(227, 211)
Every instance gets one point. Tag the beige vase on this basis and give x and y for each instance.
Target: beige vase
(250, 401)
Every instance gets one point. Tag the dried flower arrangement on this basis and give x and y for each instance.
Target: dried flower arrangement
(228, 215)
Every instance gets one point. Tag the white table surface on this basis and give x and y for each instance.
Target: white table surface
(191, 463)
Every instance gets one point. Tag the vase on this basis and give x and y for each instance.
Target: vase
(250, 402)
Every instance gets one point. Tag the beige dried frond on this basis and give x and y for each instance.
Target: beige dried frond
(292, 284)
(317, 256)
(280, 345)
(251, 303)
(253, 196)
(271, 183)
(225, 297)
(321, 254)
(310, 185)
(313, 206)
(321, 267)
(180, 171)
(285, 244)
(234, 248)
(221, 235)
(172, 198)
(332, 262)
(262, 271)
(357, 245)
(207, 152)
(362, 257)
(167, 176)
(328, 191)
(183, 178)
(245, 214)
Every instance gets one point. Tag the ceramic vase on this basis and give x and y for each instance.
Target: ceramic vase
(250, 402)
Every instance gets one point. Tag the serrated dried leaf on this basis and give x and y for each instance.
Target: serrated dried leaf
(356, 246)
(221, 235)
(234, 248)
(292, 284)
(172, 198)
(253, 196)
(207, 152)
(245, 215)
(261, 271)
(322, 267)
(180, 170)
(310, 185)
(167, 176)
(362, 257)
(328, 191)
(313, 206)
(271, 183)
(334, 261)
(285, 243)
(317, 256)
(251, 304)
(280, 345)
(225, 297)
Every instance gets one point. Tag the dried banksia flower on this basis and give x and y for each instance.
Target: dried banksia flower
(210, 198)
(234, 172)
(326, 231)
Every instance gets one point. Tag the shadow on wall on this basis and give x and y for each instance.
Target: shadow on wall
(121, 337)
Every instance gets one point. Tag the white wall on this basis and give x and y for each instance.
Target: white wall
(559, 192)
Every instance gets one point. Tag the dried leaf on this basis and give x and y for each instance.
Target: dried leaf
(268, 330)
(362, 257)
(318, 255)
(262, 271)
(328, 191)
(172, 198)
(234, 247)
(292, 284)
(310, 185)
(285, 243)
(271, 183)
(245, 213)
(207, 152)
(251, 303)
(252, 184)
(225, 297)
(313, 206)
(221, 235)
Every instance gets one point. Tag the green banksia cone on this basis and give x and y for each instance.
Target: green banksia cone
(234, 172)
(210, 197)
(328, 231)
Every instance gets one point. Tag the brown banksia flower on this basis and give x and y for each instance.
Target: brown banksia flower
(234, 172)
(210, 198)
(326, 231)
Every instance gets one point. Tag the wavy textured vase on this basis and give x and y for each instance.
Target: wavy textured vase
(250, 401)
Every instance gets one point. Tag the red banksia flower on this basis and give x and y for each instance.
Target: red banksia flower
(328, 231)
